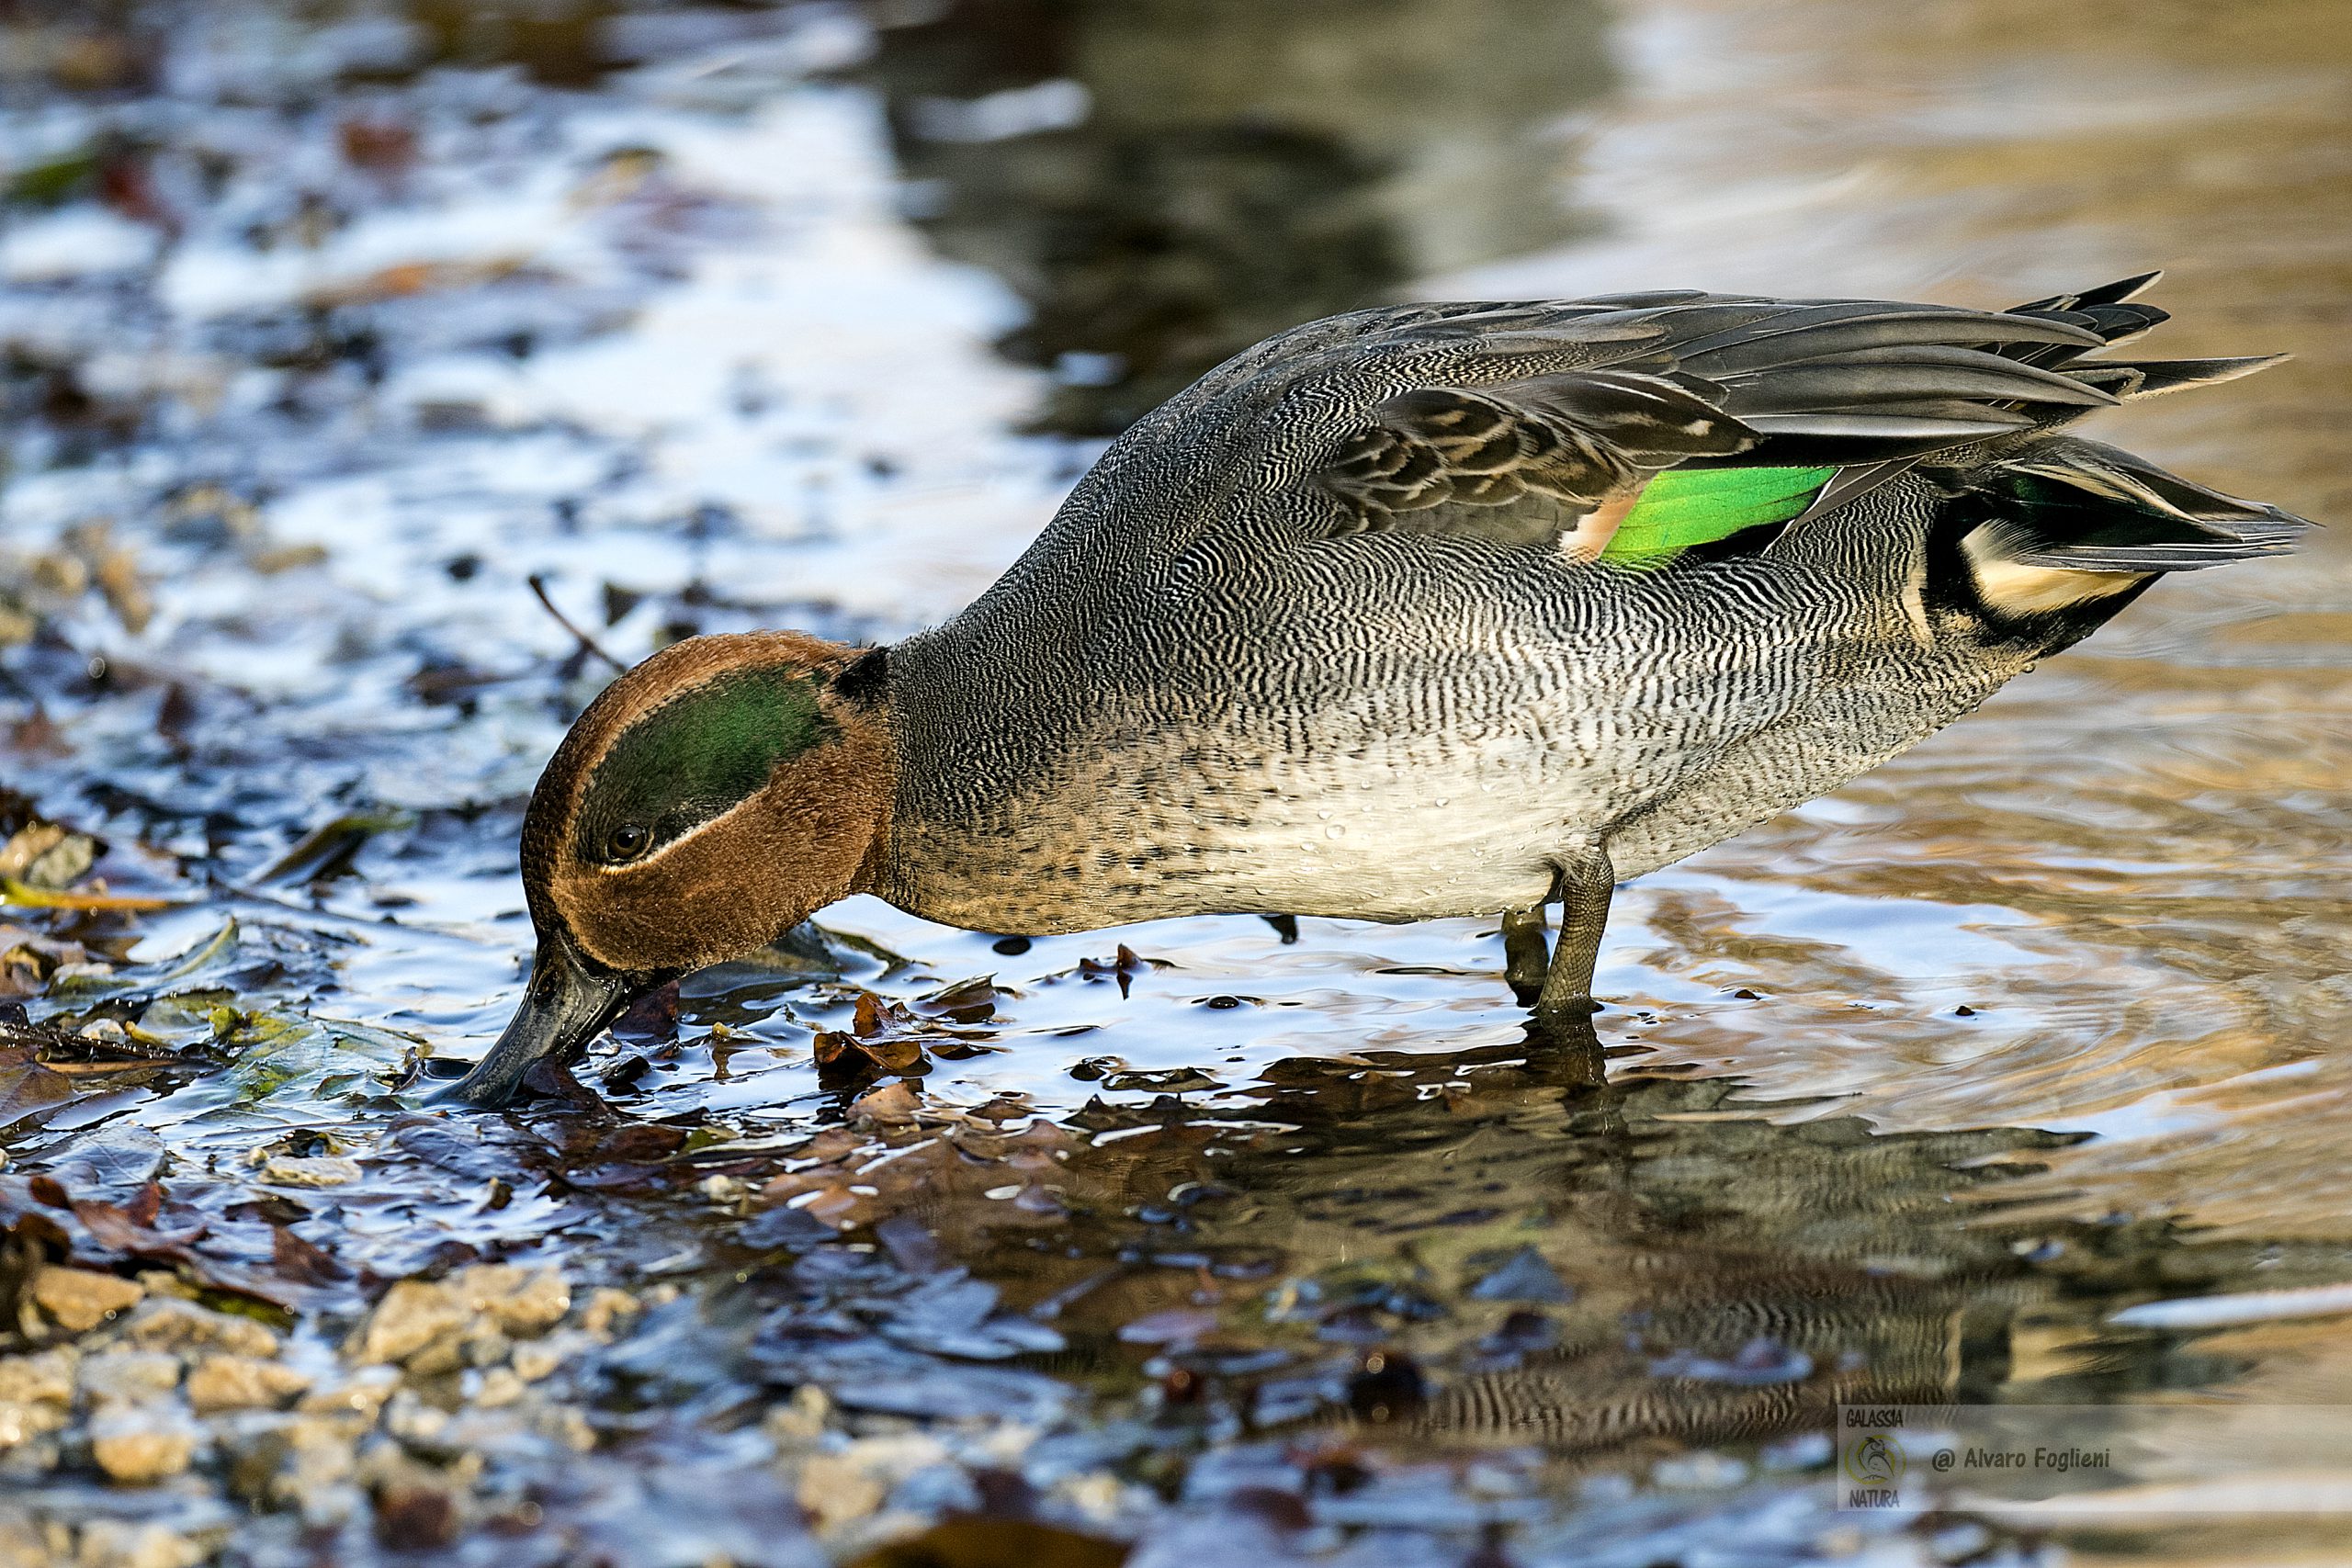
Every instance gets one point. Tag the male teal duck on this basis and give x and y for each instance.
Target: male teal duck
(1438, 609)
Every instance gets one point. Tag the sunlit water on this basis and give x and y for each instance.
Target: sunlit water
(773, 327)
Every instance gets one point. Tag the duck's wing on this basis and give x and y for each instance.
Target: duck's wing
(1672, 419)
(2112, 312)
(1518, 420)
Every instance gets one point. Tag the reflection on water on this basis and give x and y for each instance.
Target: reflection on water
(1166, 182)
(1906, 1093)
(1594, 1266)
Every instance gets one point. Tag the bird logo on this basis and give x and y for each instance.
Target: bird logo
(1876, 1460)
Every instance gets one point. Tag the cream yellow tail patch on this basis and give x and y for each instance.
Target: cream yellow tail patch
(2012, 587)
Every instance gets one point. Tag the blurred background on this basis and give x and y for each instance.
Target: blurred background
(326, 328)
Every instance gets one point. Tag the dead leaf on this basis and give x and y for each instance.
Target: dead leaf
(894, 1104)
(381, 145)
(966, 1001)
(976, 1543)
(28, 958)
(1124, 965)
(118, 1228)
(28, 1086)
(839, 1051)
(302, 1262)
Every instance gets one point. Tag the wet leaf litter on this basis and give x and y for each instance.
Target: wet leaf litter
(1196, 1243)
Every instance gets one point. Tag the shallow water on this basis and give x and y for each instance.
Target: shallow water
(809, 317)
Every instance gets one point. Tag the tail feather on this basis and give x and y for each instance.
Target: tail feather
(2114, 293)
(2075, 505)
(2130, 379)
(2047, 525)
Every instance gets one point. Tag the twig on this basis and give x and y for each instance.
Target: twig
(539, 589)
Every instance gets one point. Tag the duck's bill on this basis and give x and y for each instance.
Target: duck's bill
(570, 1000)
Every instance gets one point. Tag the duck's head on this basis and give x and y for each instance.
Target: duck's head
(705, 802)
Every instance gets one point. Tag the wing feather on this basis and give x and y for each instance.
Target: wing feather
(1517, 421)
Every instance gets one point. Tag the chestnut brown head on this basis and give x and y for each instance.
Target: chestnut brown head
(705, 802)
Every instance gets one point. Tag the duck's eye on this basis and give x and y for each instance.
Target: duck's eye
(627, 842)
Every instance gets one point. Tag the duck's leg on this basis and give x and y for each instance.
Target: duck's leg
(1586, 882)
(1526, 953)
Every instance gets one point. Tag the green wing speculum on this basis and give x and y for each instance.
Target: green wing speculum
(1684, 507)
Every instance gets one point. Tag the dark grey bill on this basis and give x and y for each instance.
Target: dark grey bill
(571, 1000)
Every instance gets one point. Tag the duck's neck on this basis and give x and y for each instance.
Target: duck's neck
(874, 872)
(870, 733)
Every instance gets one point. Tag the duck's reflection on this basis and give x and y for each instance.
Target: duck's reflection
(1167, 181)
(1590, 1263)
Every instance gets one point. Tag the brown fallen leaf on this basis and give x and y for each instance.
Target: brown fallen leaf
(1124, 967)
(28, 1086)
(836, 1050)
(894, 1103)
(117, 1227)
(978, 1543)
(966, 1001)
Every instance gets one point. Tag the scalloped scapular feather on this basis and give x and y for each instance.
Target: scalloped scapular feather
(1684, 507)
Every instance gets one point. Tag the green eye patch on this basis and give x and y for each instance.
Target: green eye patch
(695, 757)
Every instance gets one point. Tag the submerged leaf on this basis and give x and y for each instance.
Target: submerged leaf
(28, 1086)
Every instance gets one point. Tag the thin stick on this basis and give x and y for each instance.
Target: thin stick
(539, 589)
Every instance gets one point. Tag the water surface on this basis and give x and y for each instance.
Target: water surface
(326, 330)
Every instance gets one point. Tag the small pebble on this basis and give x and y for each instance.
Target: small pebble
(310, 1170)
(361, 1394)
(533, 1360)
(122, 1544)
(835, 1489)
(605, 1307)
(23, 1420)
(321, 1460)
(127, 1376)
(500, 1386)
(1095, 1496)
(141, 1444)
(413, 1314)
(78, 1299)
(566, 1425)
(46, 1378)
(416, 1516)
(242, 1382)
(167, 1324)
(417, 1506)
(796, 1425)
(414, 1422)
(522, 1301)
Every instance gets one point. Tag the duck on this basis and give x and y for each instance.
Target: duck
(1437, 609)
